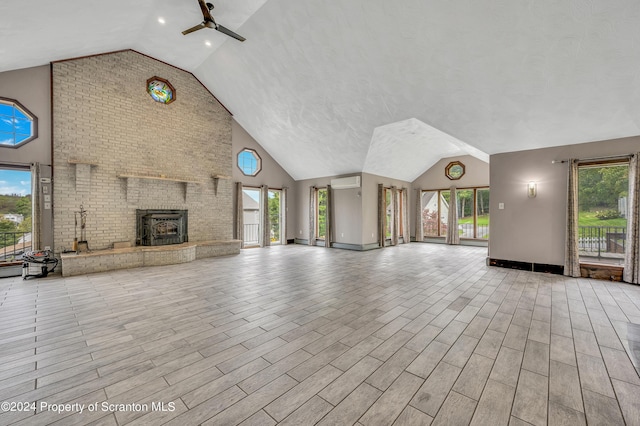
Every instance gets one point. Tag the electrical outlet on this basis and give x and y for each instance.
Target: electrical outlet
(500, 206)
(342, 234)
(47, 206)
(301, 232)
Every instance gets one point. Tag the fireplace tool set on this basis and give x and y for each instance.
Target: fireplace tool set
(82, 245)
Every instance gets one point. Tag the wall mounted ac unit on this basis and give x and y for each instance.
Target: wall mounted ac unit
(346, 182)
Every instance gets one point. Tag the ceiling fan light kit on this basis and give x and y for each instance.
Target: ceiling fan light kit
(209, 22)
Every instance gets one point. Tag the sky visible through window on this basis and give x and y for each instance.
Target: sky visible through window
(248, 163)
(15, 126)
(15, 182)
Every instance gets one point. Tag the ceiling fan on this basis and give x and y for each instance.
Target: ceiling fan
(209, 22)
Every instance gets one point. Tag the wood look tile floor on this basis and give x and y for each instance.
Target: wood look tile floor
(412, 335)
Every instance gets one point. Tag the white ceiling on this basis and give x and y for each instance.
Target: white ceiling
(330, 88)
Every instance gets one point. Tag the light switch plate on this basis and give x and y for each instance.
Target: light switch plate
(500, 206)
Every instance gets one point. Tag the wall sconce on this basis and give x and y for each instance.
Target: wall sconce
(532, 189)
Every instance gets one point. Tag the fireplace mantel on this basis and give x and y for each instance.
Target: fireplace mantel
(133, 192)
(159, 178)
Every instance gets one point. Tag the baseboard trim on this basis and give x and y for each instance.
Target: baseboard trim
(527, 266)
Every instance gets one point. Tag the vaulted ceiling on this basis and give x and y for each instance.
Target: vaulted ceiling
(388, 88)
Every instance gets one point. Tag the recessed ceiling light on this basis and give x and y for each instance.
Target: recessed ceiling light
(161, 20)
(208, 43)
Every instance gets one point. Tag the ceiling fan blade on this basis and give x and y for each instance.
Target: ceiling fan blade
(196, 28)
(230, 33)
(205, 10)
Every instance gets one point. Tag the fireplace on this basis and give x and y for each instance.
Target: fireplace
(161, 227)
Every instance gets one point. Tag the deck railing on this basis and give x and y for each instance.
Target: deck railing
(602, 241)
(251, 234)
(13, 245)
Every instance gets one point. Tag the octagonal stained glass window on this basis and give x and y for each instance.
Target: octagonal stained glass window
(249, 162)
(161, 90)
(17, 124)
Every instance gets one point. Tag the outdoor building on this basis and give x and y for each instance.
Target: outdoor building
(15, 218)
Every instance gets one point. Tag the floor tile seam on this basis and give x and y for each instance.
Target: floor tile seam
(577, 367)
(37, 356)
(610, 379)
(383, 392)
(38, 396)
(156, 395)
(202, 404)
(247, 396)
(55, 372)
(332, 406)
(627, 357)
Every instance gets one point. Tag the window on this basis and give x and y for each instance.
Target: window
(444, 212)
(482, 213)
(275, 197)
(602, 211)
(466, 213)
(401, 195)
(251, 216)
(249, 162)
(321, 213)
(388, 198)
(473, 212)
(454, 170)
(17, 125)
(161, 90)
(15, 214)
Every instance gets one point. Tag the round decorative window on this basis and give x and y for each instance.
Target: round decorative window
(249, 162)
(454, 170)
(17, 124)
(161, 90)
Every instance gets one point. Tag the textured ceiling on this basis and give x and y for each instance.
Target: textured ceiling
(330, 88)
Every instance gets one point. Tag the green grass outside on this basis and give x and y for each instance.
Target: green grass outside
(590, 219)
(584, 219)
(482, 220)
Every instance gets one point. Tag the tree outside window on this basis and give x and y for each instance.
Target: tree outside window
(602, 211)
(472, 210)
(321, 213)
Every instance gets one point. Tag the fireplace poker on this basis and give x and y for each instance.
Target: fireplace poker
(83, 245)
(75, 233)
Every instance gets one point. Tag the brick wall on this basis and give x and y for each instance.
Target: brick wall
(102, 115)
